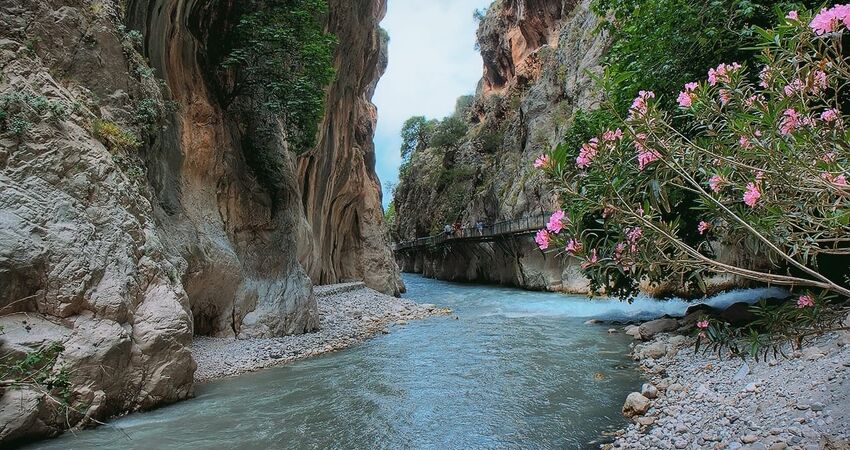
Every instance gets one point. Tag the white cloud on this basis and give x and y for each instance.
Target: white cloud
(432, 61)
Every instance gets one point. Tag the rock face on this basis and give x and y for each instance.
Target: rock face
(133, 222)
(536, 56)
(341, 194)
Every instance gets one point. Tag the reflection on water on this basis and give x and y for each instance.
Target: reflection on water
(517, 370)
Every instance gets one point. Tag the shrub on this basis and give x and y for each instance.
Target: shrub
(449, 133)
(659, 45)
(279, 56)
(765, 164)
(113, 136)
(20, 110)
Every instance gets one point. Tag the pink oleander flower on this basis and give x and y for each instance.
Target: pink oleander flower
(744, 142)
(633, 235)
(703, 227)
(542, 239)
(750, 101)
(714, 182)
(794, 87)
(645, 154)
(573, 246)
(645, 157)
(792, 15)
(828, 20)
(752, 195)
(556, 222)
(702, 335)
(838, 180)
(828, 157)
(587, 153)
(702, 324)
(790, 121)
(541, 161)
(805, 301)
(639, 105)
(830, 115)
(819, 81)
(722, 73)
(618, 251)
(687, 96)
(612, 135)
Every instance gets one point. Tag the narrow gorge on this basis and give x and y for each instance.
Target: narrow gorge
(358, 224)
(136, 219)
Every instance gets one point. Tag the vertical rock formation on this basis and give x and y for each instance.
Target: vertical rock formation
(341, 194)
(537, 55)
(134, 221)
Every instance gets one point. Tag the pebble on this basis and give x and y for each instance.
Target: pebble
(703, 401)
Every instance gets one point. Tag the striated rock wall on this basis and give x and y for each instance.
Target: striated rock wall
(341, 193)
(120, 250)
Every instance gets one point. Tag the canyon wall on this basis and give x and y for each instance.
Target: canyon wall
(341, 193)
(537, 55)
(130, 219)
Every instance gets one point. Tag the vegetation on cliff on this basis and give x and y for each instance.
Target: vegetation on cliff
(761, 165)
(277, 63)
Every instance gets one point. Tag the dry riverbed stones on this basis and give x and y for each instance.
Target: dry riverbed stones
(701, 401)
(349, 314)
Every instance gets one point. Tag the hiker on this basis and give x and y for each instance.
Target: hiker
(480, 227)
(447, 230)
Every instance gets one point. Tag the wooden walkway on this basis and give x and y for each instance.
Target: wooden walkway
(523, 225)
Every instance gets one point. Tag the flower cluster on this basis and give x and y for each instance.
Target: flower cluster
(722, 73)
(587, 153)
(828, 20)
(639, 105)
(687, 97)
(805, 301)
(542, 161)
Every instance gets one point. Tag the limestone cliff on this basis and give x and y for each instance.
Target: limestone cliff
(537, 55)
(129, 217)
(341, 194)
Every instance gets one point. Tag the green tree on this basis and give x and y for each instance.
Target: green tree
(416, 135)
(449, 132)
(280, 59)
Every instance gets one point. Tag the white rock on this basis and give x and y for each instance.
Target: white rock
(636, 404)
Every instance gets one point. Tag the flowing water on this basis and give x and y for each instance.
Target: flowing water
(517, 369)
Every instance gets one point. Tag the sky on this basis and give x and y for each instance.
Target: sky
(432, 62)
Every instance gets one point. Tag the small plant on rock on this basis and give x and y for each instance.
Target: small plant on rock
(113, 136)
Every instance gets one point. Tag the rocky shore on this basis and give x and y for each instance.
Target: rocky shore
(349, 314)
(705, 402)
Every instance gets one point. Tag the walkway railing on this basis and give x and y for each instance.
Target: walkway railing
(523, 225)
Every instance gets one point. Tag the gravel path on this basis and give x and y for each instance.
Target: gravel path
(349, 314)
(703, 402)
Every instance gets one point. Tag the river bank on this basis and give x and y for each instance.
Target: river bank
(702, 401)
(349, 313)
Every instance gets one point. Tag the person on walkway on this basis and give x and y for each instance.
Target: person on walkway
(447, 230)
(480, 227)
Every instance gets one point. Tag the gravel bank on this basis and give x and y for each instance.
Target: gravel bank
(703, 402)
(349, 314)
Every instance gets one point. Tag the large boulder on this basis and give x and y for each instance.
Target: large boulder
(636, 405)
(653, 327)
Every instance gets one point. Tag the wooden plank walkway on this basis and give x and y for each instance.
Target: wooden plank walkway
(523, 225)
